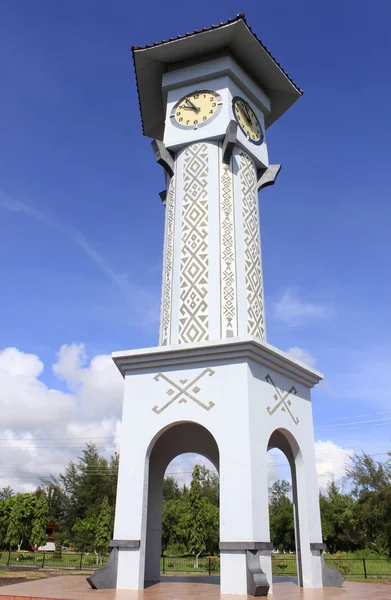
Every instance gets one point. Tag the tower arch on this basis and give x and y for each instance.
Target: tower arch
(286, 442)
(175, 439)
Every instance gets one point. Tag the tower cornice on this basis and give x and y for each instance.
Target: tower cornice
(212, 352)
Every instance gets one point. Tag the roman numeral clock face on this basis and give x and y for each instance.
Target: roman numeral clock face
(196, 109)
(247, 120)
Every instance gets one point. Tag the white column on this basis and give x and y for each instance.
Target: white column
(309, 518)
(236, 511)
(131, 504)
(154, 523)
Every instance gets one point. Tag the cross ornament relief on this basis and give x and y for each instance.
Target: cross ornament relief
(282, 399)
(183, 389)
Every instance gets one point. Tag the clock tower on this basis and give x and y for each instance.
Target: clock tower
(214, 385)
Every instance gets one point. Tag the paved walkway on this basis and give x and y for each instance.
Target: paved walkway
(75, 587)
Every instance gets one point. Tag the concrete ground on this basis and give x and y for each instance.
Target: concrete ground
(75, 587)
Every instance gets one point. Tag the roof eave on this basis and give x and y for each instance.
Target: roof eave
(151, 62)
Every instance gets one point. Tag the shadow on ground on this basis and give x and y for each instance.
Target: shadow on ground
(213, 579)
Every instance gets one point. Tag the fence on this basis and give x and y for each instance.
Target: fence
(349, 567)
(67, 560)
(281, 564)
(208, 564)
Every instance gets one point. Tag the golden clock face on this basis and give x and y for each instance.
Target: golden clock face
(247, 120)
(196, 109)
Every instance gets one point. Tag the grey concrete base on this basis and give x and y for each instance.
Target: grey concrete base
(331, 577)
(246, 545)
(105, 578)
(257, 583)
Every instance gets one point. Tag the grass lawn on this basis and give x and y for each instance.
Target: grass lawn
(385, 580)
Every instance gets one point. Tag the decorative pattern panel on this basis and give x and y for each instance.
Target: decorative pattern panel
(193, 318)
(229, 322)
(168, 264)
(184, 390)
(282, 399)
(254, 291)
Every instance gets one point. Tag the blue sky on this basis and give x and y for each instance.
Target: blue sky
(81, 222)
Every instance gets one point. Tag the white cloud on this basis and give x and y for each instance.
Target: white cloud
(293, 311)
(182, 466)
(41, 428)
(302, 355)
(331, 461)
(18, 363)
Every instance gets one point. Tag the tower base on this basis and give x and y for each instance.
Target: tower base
(231, 401)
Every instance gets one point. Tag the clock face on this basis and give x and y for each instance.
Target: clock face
(247, 120)
(196, 109)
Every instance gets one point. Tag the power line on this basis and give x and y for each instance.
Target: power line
(105, 472)
(8, 441)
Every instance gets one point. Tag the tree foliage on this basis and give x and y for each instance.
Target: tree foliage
(20, 520)
(40, 519)
(282, 528)
(81, 501)
(104, 528)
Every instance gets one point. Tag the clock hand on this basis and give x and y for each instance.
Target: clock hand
(247, 115)
(197, 108)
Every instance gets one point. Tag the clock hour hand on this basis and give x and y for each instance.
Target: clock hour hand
(197, 108)
(247, 114)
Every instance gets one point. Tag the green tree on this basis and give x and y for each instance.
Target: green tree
(6, 493)
(39, 521)
(196, 517)
(367, 475)
(282, 526)
(171, 489)
(75, 497)
(339, 523)
(84, 533)
(59, 540)
(5, 512)
(20, 520)
(210, 485)
(104, 529)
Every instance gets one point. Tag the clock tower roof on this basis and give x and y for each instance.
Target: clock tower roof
(234, 37)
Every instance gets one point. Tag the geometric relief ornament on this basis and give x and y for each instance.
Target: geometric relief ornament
(193, 317)
(252, 248)
(229, 322)
(282, 399)
(167, 271)
(184, 390)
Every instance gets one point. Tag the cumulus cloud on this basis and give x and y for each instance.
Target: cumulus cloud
(293, 311)
(331, 461)
(302, 355)
(181, 467)
(42, 428)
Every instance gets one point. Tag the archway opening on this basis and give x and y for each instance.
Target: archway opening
(190, 514)
(183, 503)
(283, 507)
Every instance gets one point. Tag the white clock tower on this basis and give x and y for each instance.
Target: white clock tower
(214, 386)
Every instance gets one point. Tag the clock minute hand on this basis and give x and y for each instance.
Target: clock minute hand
(197, 108)
(247, 115)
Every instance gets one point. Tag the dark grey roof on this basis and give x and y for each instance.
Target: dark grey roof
(152, 61)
